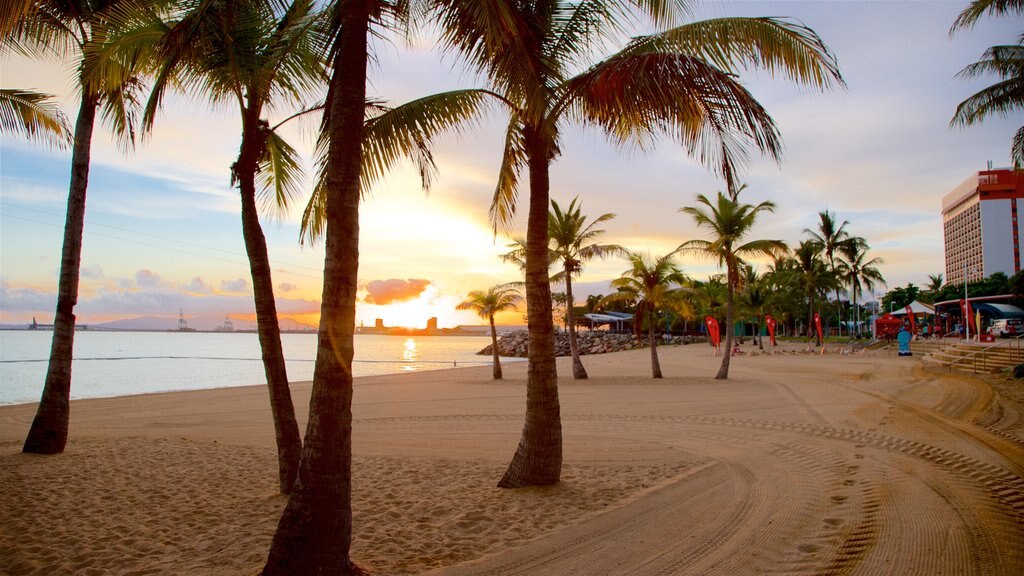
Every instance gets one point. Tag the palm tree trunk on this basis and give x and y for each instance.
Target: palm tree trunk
(652, 337)
(760, 344)
(286, 428)
(494, 350)
(578, 371)
(538, 459)
(723, 371)
(314, 534)
(49, 431)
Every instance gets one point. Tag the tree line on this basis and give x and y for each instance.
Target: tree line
(797, 283)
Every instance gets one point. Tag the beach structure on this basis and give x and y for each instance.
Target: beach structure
(982, 226)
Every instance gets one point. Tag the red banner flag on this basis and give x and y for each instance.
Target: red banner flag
(713, 333)
(965, 309)
(771, 328)
(817, 325)
(913, 325)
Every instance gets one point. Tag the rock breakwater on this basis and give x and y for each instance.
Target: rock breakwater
(514, 344)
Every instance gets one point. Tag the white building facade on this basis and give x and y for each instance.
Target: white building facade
(982, 226)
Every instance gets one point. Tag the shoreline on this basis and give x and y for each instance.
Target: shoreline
(680, 474)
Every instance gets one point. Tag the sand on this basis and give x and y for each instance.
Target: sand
(799, 464)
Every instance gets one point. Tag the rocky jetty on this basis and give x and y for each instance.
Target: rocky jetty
(590, 342)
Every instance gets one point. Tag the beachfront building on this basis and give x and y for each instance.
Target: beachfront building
(982, 225)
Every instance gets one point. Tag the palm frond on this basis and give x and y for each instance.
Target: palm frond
(635, 98)
(279, 179)
(1017, 147)
(1000, 99)
(978, 8)
(121, 109)
(781, 46)
(1001, 61)
(406, 131)
(35, 116)
(506, 192)
(501, 39)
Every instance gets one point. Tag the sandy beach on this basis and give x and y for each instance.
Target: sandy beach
(799, 464)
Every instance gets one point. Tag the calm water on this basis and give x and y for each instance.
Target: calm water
(121, 363)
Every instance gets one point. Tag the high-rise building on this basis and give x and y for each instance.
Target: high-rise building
(982, 226)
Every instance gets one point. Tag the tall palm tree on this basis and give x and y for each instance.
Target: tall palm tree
(682, 82)
(864, 273)
(729, 222)
(35, 116)
(1005, 62)
(934, 283)
(253, 56)
(654, 284)
(487, 303)
(572, 243)
(314, 533)
(811, 274)
(754, 298)
(831, 236)
(70, 31)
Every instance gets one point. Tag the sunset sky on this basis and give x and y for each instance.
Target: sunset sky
(163, 232)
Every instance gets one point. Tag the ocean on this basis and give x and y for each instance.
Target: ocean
(122, 363)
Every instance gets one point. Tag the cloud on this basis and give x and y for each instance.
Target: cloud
(239, 285)
(93, 272)
(286, 287)
(25, 299)
(146, 278)
(383, 292)
(197, 286)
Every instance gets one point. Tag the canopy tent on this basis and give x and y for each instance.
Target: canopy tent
(915, 307)
(610, 318)
(887, 326)
(995, 310)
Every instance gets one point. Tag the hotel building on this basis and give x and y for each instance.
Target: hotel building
(981, 221)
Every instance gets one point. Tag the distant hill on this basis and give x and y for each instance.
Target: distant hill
(201, 323)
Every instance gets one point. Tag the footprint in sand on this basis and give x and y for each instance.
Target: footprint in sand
(808, 548)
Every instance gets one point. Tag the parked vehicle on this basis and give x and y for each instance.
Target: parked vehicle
(1004, 327)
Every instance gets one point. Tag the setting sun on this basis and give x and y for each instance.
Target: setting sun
(416, 312)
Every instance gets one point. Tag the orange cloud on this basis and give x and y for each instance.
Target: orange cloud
(384, 292)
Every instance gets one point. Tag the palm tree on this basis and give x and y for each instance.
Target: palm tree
(71, 30)
(934, 283)
(831, 236)
(654, 284)
(811, 274)
(314, 533)
(254, 56)
(729, 222)
(864, 272)
(682, 82)
(1005, 62)
(572, 243)
(754, 298)
(35, 116)
(487, 303)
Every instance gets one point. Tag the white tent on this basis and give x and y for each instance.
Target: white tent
(915, 307)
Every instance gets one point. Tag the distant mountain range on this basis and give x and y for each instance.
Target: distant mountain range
(198, 323)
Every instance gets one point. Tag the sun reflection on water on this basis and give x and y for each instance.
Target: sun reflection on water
(409, 354)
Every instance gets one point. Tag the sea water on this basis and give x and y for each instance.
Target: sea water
(122, 363)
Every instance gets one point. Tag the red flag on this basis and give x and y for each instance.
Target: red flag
(817, 324)
(771, 328)
(966, 311)
(713, 333)
(971, 320)
(913, 325)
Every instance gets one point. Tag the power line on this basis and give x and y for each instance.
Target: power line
(236, 255)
